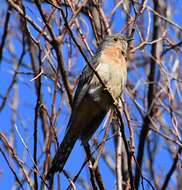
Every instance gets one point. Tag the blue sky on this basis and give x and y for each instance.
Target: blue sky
(25, 89)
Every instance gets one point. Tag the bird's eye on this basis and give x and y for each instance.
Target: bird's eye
(115, 39)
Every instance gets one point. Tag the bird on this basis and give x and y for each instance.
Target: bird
(91, 101)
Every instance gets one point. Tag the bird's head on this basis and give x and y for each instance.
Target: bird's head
(115, 40)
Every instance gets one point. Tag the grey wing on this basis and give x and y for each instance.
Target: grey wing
(82, 88)
(83, 84)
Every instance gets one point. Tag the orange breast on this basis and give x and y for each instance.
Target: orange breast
(113, 55)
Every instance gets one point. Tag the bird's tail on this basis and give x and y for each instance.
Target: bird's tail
(62, 154)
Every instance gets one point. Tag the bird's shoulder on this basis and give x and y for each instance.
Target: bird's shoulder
(84, 79)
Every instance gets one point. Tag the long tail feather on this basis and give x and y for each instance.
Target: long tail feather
(62, 155)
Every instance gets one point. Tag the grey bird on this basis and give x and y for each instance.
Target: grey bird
(91, 101)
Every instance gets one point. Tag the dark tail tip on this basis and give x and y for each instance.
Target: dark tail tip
(49, 175)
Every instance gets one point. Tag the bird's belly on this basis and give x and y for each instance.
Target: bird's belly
(113, 78)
